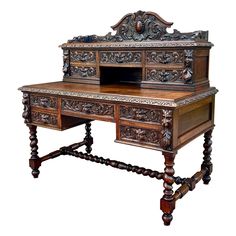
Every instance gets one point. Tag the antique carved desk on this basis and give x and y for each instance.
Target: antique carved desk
(152, 84)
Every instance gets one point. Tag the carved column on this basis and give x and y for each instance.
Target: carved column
(88, 138)
(207, 156)
(34, 160)
(167, 201)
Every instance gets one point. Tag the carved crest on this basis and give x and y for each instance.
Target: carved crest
(140, 26)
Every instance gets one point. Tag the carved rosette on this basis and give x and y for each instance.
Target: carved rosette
(44, 118)
(140, 135)
(43, 101)
(120, 57)
(163, 75)
(26, 112)
(188, 67)
(82, 56)
(166, 132)
(140, 114)
(87, 107)
(83, 71)
(66, 62)
(164, 57)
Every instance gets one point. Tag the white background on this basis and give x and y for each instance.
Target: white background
(75, 197)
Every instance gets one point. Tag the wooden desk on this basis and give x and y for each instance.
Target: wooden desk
(156, 119)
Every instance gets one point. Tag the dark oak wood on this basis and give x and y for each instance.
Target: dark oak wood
(34, 160)
(168, 201)
(152, 84)
(207, 157)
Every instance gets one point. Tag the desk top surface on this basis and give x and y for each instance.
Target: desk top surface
(119, 92)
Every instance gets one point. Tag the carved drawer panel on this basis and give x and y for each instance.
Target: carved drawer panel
(164, 75)
(43, 101)
(165, 57)
(120, 57)
(141, 114)
(82, 56)
(91, 108)
(140, 135)
(83, 71)
(44, 118)
(157, 135)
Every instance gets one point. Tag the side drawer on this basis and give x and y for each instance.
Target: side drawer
(145, 127)
(43, 101)
(140, 136)
(82, 56)
(44, 118)
(150, 115)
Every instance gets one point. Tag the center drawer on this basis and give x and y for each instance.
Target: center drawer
(87, 109)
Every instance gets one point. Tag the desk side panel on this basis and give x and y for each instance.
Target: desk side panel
(192, 120)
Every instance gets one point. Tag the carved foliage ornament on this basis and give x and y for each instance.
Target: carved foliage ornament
(163, 75)
(141, 26)
(44, 118)
(120, 57)
(83, 71)
(82, 56)
(165, 57)
(166, 129)
(87, 107)
(66, 62)
(140, 114)
(184, 75)
(43, 101)
(26, 112)
(140, 135)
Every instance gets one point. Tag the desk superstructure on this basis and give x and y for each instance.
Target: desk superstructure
(152, 84)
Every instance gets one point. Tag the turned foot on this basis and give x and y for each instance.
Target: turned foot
(35, 173)
(167, 218)
(168, 201)
(207, 157)
(88, 138)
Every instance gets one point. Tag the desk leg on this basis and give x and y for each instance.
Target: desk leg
(88, 138)
(207, 156)
(34, 160)
(168, 201)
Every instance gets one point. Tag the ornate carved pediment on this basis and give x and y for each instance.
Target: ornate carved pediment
(140, 26)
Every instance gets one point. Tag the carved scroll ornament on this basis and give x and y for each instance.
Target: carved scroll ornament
(141, 26)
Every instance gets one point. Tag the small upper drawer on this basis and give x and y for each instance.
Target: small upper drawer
(165, 57)
(83, 71)
(120, 57)
(83, 56)
(140, 114)
(43, 101)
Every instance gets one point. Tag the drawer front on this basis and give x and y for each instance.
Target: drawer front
(43, 101)
(164, 75)
(165, 57)
(87, 107)
(82, 56)
(120, 57)
(83, 71)
(140, 135)
(156, 135)
(44, 118)
(140, 114)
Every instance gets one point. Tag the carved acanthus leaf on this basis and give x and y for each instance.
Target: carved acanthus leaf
(87, 107)
(141, 26)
